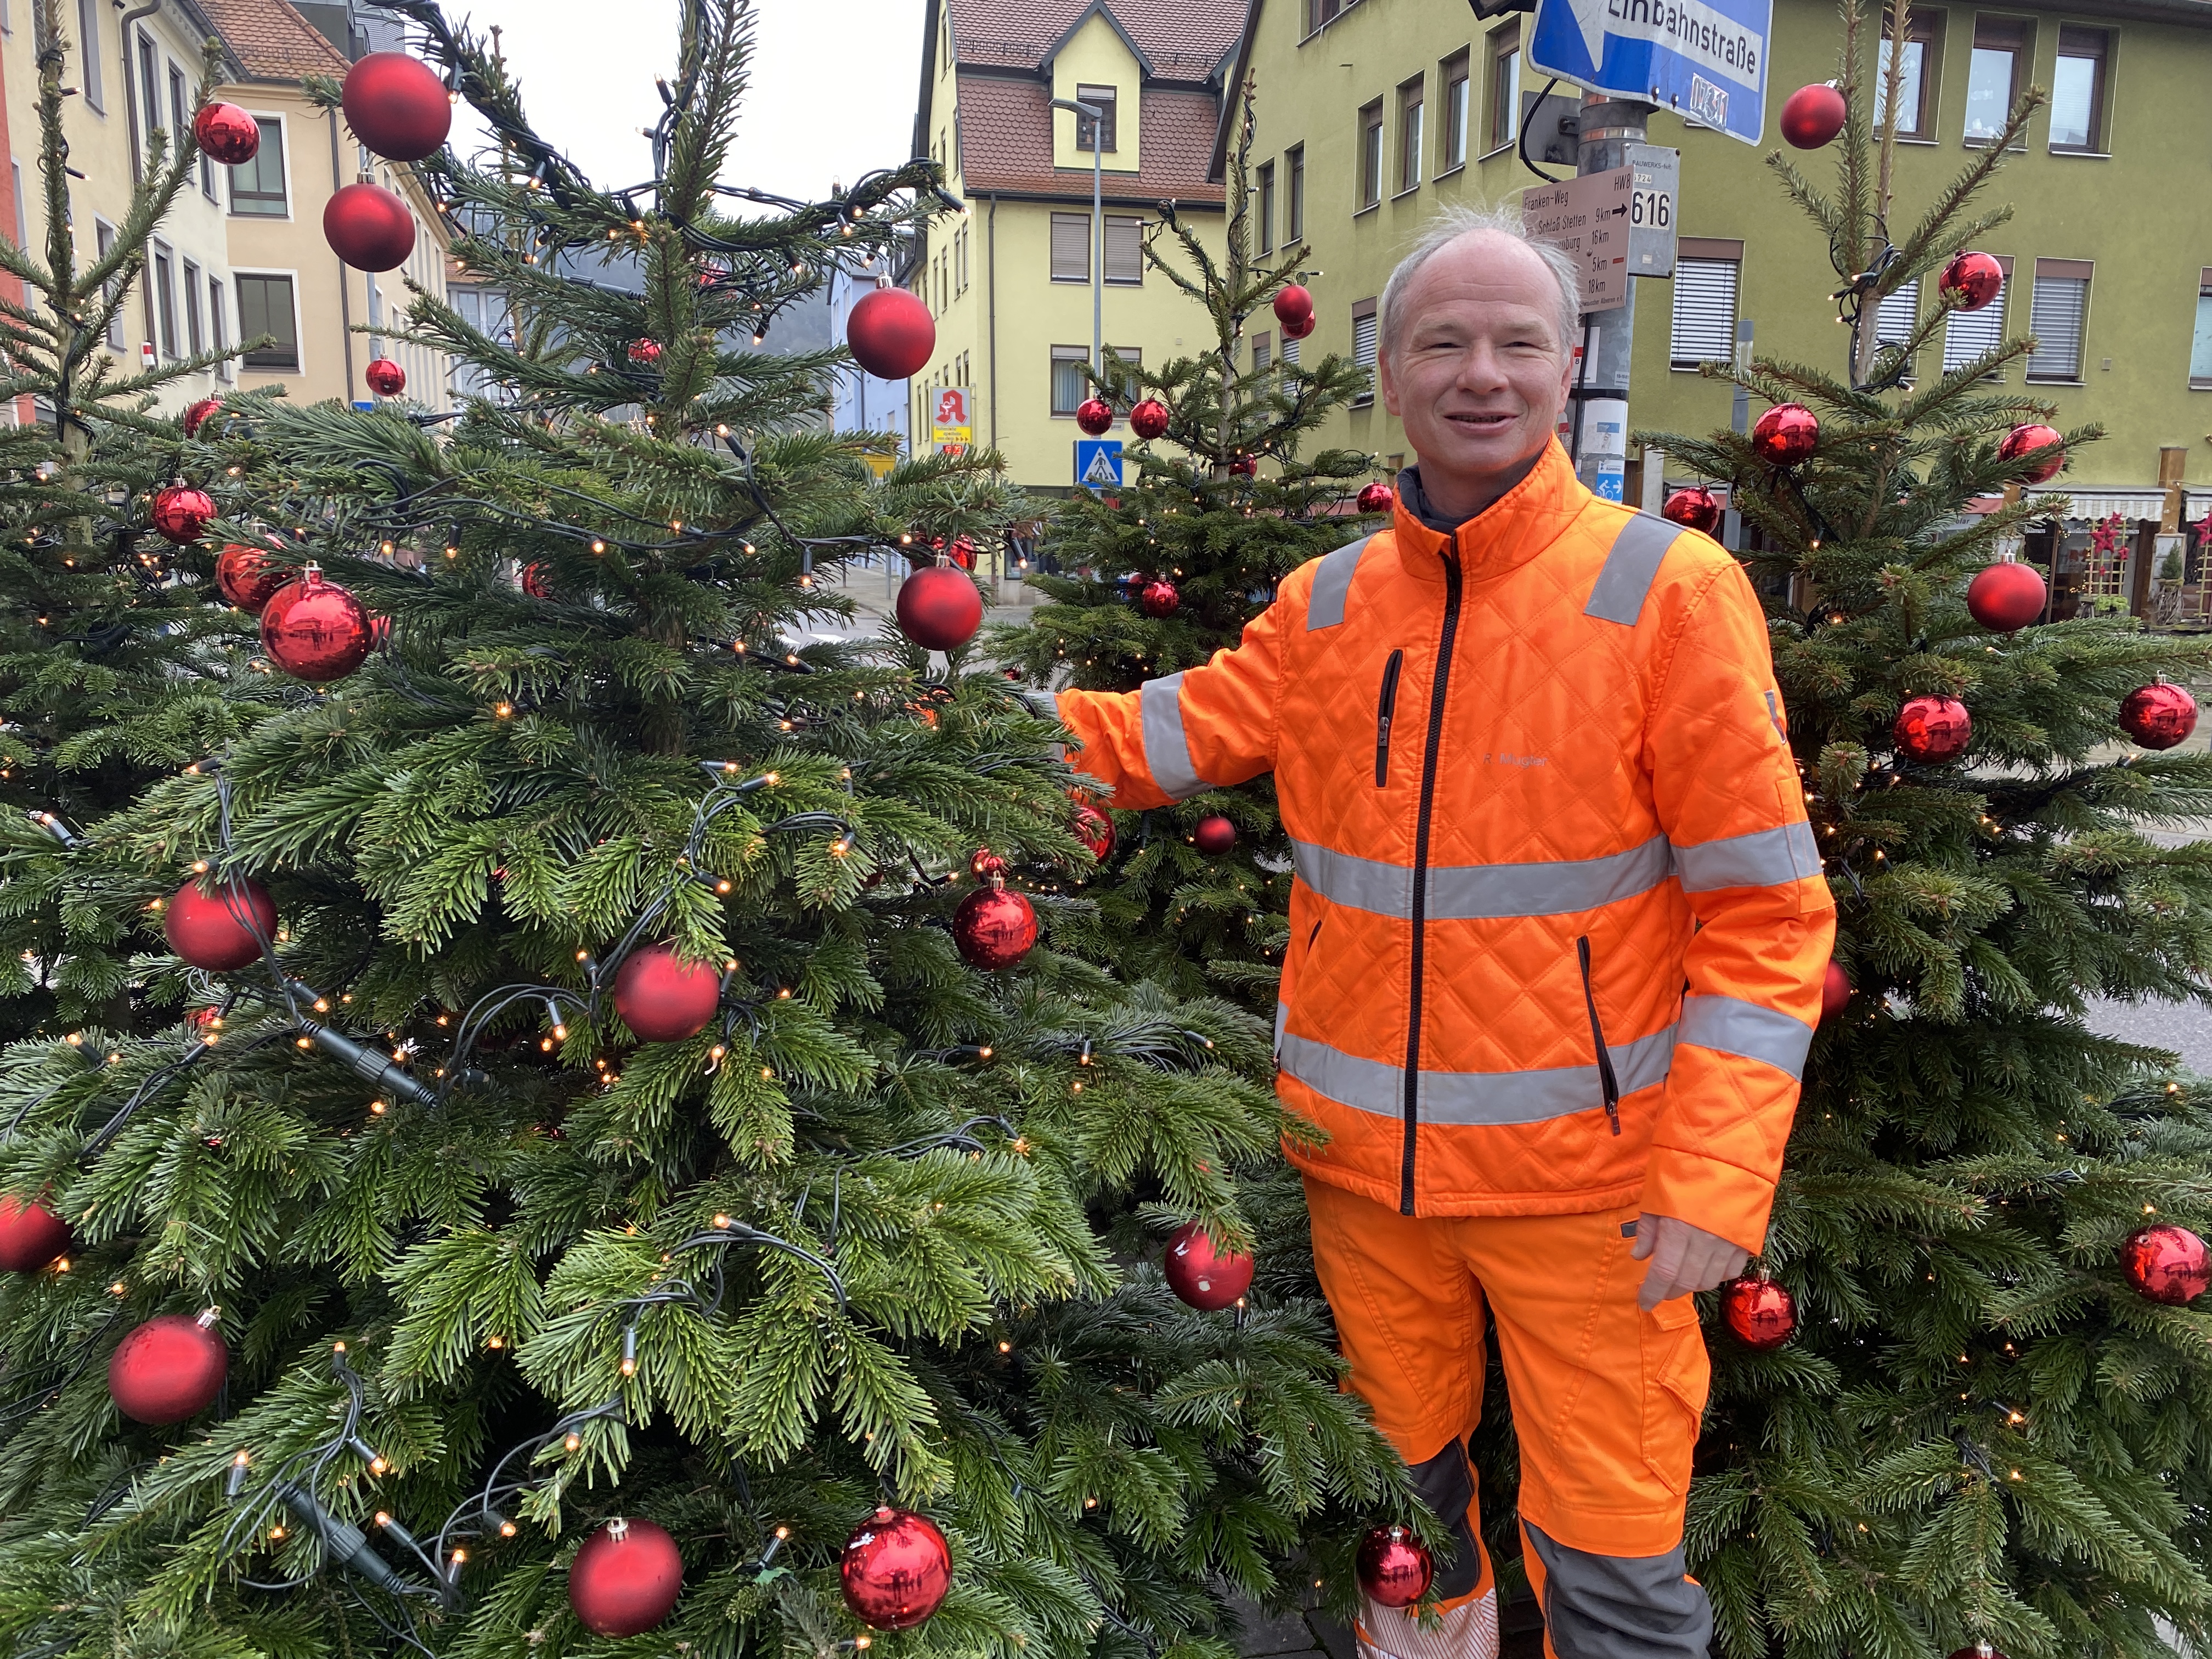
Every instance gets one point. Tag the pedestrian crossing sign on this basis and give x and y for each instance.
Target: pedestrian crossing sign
(1098, 462)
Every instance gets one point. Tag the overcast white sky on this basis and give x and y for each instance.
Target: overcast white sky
(833, 84)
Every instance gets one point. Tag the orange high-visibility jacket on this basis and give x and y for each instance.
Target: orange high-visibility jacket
(1537, 783)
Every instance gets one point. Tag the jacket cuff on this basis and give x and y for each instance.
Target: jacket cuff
(1720, 1198)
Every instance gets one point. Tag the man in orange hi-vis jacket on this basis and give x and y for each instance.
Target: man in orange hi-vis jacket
(1557, 941)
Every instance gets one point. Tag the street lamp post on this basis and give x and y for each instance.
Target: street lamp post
(1097, 226)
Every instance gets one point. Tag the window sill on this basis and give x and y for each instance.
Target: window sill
(2082, 154)
(1452, 171)
(1361, 213)
(2200, 385)
(1347, 11)
(2052, 379)
(1985, 143)
(1364, 403)
(1921, 139)
(1505, 148)
(1410, 190)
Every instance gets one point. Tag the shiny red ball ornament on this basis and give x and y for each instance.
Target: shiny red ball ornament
(1785, 435)
(994, 928)
(1760, 1313)
(315, 629)
(1835, 992)
(221, 931)
(32, 1236)
(1695, 508)
(1376, 498)
(896, 1571)
(664, 1001)
(625, 1578)
(1294, 305)
(368, 227)
(1299, 331)
(1158, 599)
(645, 352)
(891, 333)
(386, 378)
(397, 105)
(1980, 1650)
(1245, 467)
(181, 513)
(1096, 831)
(1149, 418)
(983, 864)
(1813, 116)
(1214, 835)
(1932, 729)
(171, 1368)
(197, 414)
(1395, 1568)
(247, 577)
(2158, 716)
(2167, 1263)
(535, 582)
(940, 608)
(2007, 596)
(1201, 1276)
(1970, 281)
(2034, 436)
(227, 134)
(1094, 415)
(962, 552)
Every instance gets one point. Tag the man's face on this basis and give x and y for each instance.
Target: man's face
(1476, 368)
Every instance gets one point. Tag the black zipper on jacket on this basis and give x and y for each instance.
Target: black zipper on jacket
(1383, 710)
(1605, 1080)
(1421, 870)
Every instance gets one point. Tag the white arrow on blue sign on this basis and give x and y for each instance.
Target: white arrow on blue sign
(1703, 59)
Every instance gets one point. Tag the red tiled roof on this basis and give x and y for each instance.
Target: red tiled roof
(1181, 39)
(273, 41)
(1006, 144)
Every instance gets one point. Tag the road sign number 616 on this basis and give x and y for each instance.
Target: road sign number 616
(1654, 208)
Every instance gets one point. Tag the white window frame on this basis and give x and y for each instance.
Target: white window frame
(298, 331)
(1684, 359)
(88, 52)
(264, 120)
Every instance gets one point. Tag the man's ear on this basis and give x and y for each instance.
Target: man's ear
(1389, 385)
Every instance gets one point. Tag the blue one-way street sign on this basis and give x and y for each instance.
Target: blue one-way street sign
(1704, 60)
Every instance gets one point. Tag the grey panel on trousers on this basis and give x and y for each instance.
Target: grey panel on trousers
(1332, 585)
(1167, 750)
(1620, 1606)
(1447, 1487)
(1629, 569)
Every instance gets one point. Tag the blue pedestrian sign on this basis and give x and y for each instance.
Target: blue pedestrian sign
(1703, 59)
(1098, 463)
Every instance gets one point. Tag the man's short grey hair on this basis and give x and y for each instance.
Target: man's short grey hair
(1447, 228)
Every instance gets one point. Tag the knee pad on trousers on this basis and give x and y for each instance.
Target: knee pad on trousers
(1620, 1606)
(1447, 1487)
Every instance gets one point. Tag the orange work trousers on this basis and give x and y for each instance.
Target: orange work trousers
(1606, 1400)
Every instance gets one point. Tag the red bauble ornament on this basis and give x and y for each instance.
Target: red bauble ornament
(983, 864)
(664, 1001)
(227, 134)
(1158, 598)
(1376, 498)
(1214, 835)
(1785, 435)
(1299, 331)
(2007, 595)
(171, 1368)
(247, 577)
(962, 552)
(397, 105)
(645, 352)
(197, 415)
(32, 1236)
(994, 928)
(1149, 418)
(534, 582)
(1813, 116)
(1970, 280)
(891, 333)
(386, 378)
(2034, 436)
(1096, 831)
(940, 608)
(2167, 1263)
(368, 227)
(896, 1571)
(218, 931)
(625, 1578)
(2158, 716)
(1201, 1276)
(1835, 992)
(1395, 1568)
(1760, 1312)
(1932, 729)
(1245, 467)
(1980, 1650)
(1695, 508)
(315, 629)
(1294, 305)
(181, 513)
(1094, 415)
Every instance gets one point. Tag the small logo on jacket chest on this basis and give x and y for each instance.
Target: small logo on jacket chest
(1516, 760)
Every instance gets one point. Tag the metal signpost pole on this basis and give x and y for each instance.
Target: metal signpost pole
(1097, 225)
(1608, 128)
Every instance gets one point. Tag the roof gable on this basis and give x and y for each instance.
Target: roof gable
(271, 42)
(1182, 40)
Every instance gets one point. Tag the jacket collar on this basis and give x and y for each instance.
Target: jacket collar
(1512, 529)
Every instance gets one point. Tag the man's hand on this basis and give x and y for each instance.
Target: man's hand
(1683, 1259)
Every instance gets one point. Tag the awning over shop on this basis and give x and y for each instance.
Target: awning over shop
(2092, 501)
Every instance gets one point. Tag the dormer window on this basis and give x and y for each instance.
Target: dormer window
(1100, 98)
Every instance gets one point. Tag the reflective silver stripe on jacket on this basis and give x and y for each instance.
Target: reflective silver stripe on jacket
(1167, 751)
(1471, 892)
(1764, 858)
(1629, 569)
(1332, 585)
(1470, 1098)
(1748, 1030)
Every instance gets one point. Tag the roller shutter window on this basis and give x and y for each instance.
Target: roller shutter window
(1899, 313)
(1262, 353)
(1070, 385)
(1365, 336)
(1968, 334)
(2058, 314)
(1705, 311)
(1071, 247)
(1125, 251)
(2200, 344)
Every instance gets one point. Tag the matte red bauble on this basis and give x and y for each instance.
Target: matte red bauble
(1299, 331)
(1245, 467)
(625, 1578)
(1980, 1650)
(1695, 508)
(181, 513)
(247, 577)
(221, 931)
(1970, 280)
(1149, 418)
(196, 415)
(940, 608)
(32, 1236)
(994, 928)
(1376, 498)
(891, 333)
(1785, 435)
(664, 1001)
(397, 105)
(1294, 305)
(227, 134)
(368, 227)
(896, 1571)
(1932, 729)
(534, 582)
(1094, 415)
(1158, 599)
(983, 864)
(1205, 1278)
(315, 629)
(1813, 116)
(171, 1368)
(2007, 596)
(1835, 992)
(1096, 831)
(386, 378)
(2167, 1263)
(645, 352)
(1760, 1312)
(1395, 1568)
(1214, 835)
(962, 552)
(2034, 436)
(2158, 716)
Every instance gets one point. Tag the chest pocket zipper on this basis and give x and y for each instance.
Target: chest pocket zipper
(1607, 1081)
(1384, 708)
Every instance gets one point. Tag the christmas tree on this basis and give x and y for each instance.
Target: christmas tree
(1989, 1426)
(633, 1156)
